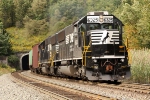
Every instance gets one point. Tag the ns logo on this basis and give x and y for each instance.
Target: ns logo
(69, 38)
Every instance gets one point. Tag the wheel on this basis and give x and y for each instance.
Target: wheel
(84, 78)
(115, 81)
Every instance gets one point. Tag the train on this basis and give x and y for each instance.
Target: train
(91, 48)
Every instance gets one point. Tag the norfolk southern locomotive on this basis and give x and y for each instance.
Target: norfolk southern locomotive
(91, 48)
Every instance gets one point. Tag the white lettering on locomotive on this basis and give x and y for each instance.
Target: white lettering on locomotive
(99, 19)
(69, 38)
(92, 19)
(49, 47)
(57, 48)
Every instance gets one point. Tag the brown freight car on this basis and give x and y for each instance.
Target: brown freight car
(35, 56)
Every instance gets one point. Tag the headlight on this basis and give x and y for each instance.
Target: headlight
(95, 66)
(122, 60)
(95, 60)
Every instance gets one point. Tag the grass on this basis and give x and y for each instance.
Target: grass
(4, 69)
(140, 65)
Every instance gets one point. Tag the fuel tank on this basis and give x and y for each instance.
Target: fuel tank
(68, 70)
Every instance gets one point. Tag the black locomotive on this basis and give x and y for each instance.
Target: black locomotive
(91, 48)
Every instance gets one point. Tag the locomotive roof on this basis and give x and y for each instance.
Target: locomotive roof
(84, 19)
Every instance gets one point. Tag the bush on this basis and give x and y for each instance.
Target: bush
(35, 27)
(3, 66)
(13, 60)
(6, 70)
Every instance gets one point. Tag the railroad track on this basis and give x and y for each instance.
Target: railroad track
(133, 87)
(56, 91)
(141, 88)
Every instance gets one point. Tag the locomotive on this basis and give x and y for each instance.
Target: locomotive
(91, 48)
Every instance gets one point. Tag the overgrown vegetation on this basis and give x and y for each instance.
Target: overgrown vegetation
(22, 41)
(4, 69)
(5, 45)
(13, 60)
(140, 66)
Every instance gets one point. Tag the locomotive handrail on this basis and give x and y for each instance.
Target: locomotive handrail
(85, 50)
(52, 58)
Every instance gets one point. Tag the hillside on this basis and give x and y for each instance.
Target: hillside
(21, 40)
(30, 21)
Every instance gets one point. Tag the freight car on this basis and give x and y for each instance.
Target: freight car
(91, 48)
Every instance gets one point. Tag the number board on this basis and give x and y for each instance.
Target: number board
(99, 19)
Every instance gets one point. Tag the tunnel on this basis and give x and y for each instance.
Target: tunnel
(24, 63)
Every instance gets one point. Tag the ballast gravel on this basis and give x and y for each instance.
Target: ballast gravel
(12, 91)
(108, 92)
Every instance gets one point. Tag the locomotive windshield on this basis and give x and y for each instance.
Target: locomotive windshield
(94, 26)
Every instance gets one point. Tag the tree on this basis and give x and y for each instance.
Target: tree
(5, 46)
(38, 9)
(135, 15)
(36, 20)
(13, 60)
(7, 13)
(21, 9)
(35, 27)
(143, 25)
(65, 12)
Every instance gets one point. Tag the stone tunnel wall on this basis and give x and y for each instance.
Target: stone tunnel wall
(20, 56)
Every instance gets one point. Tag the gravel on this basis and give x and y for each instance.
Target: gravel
(112, 93)
(12, 91)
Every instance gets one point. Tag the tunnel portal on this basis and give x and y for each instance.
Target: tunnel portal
(25, 62)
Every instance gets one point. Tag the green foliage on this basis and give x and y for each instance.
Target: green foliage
(35, 27)
(38, 9)
(135, 15)
(21, 9)
(5, 46)
(102, 5)
(4, 69)
(42, 17)
(22, 41)
(36, 19)
(143, 25)
(65, 12)
(7, 13)
(53, 1)
(13, 60)
(3, 66)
